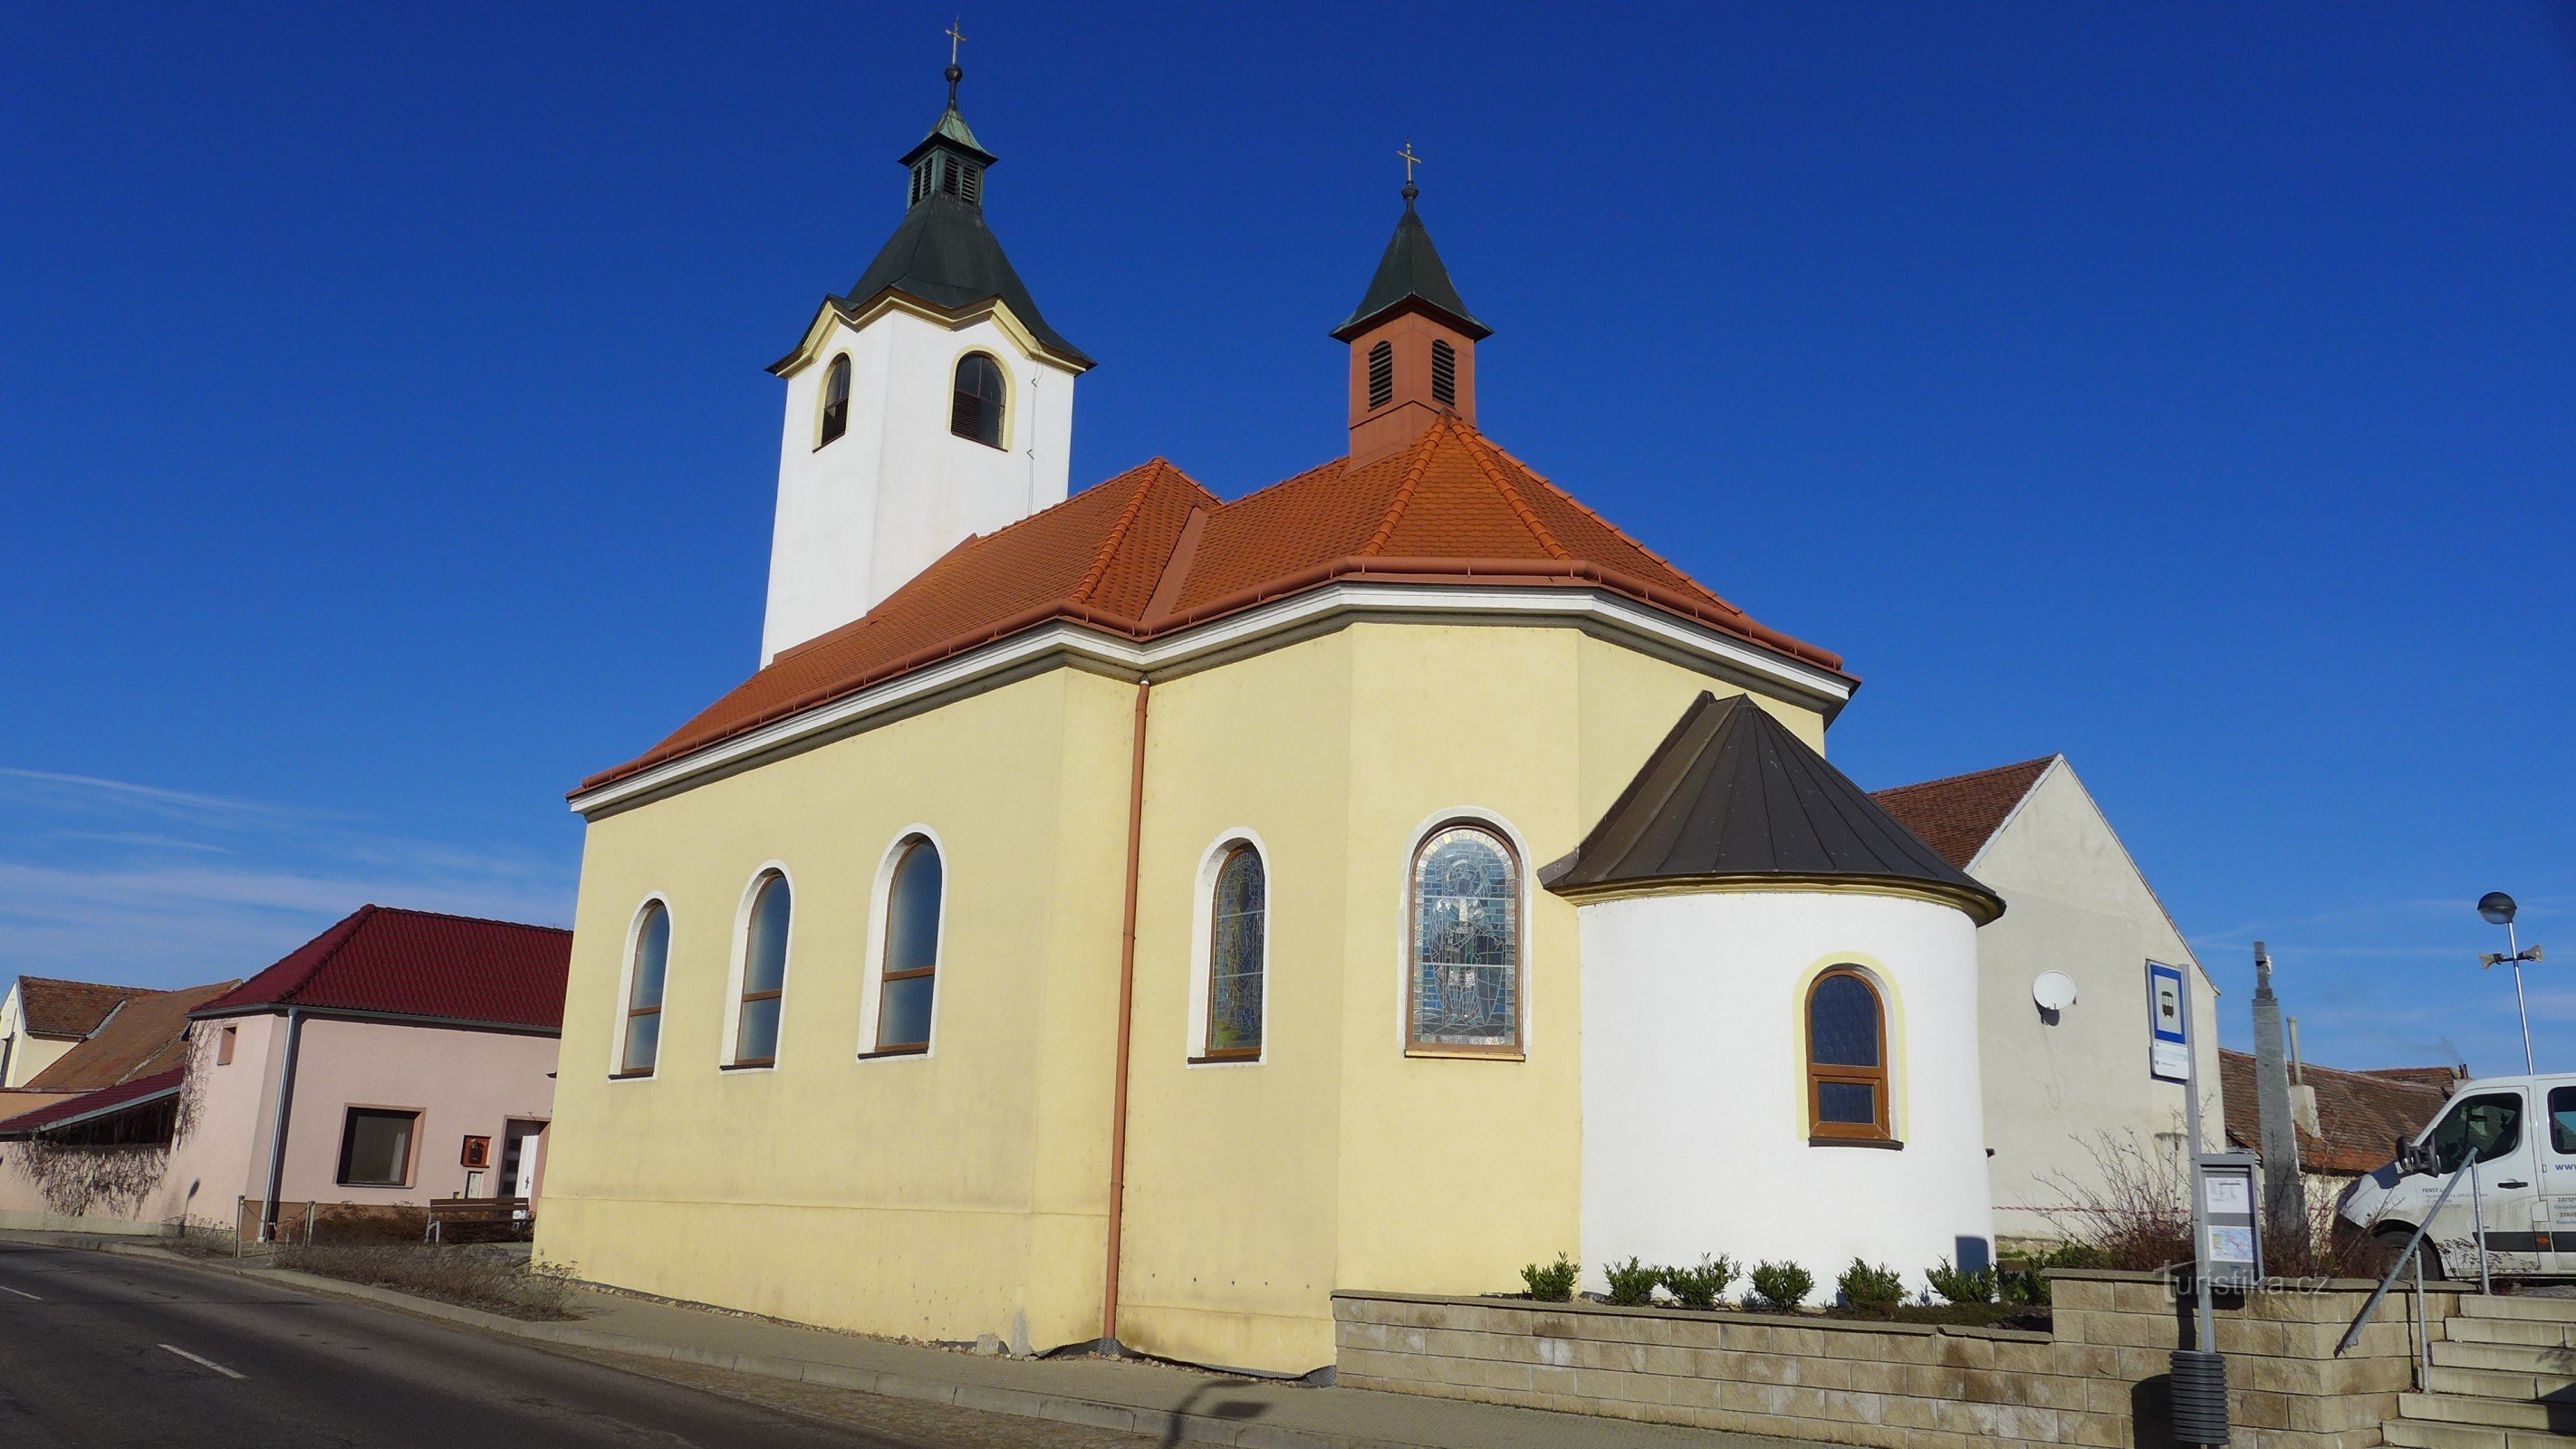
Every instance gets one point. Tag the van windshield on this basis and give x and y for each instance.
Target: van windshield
(2489, 1124)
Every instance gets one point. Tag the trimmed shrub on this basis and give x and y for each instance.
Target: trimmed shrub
(1957, 1287)
(1876, 1291)
(1699, 1287)
(1781, 1287)
(1632, 1284)
(1553, 1283)
(2028, 1284)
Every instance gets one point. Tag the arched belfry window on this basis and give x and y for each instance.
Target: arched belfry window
(1444, 373)
(1847, 1058)
(1381, 365)
(976, 409)
(641, 1042)
(1238, 951)
(1465, 957)
(764, 973)
(911, 973)
(836, 400)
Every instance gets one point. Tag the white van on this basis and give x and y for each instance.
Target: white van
(2523, 1133)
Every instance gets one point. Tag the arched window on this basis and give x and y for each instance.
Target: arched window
(1847, 1058)
(911, 949)
(643, 1035)
(764, 973)
(1444, 373)
(976, 410)
(1464, 975)
(836, 399)
(1238, 947)
(1381, 374)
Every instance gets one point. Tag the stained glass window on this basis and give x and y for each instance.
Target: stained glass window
(1237, 949)
(1466, 942)
(764, 974)
(644, 992)
(1846, 1057)
(911, 949)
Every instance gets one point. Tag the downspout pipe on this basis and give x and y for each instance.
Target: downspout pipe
(1126, 1026)
(277, 1128)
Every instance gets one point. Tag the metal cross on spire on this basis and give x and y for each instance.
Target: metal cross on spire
(1410, 161)
(956, 37)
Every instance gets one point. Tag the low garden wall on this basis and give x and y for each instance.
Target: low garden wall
(2098, 1377)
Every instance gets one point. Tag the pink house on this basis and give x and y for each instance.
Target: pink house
(398, 1057)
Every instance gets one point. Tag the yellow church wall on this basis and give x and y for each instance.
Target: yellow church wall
(944, 1195)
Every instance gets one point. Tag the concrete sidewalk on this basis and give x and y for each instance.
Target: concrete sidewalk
(1176, 1405)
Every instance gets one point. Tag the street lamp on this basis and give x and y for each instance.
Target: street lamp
(2496, 909)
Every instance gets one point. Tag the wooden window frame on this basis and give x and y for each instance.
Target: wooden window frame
(349, 1115)
(759, 889)
(634, 976)
(886, 975)
(1208, 1050)
(1002, 422)
(1820, 1074)
(1414, 1045)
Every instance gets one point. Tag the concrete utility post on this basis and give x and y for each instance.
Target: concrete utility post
(2285, 1203)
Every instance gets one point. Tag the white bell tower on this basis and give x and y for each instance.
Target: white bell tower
(929, 403)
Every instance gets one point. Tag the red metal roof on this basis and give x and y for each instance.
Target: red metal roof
(1150, 551)
(418, 964)
(92, 1103)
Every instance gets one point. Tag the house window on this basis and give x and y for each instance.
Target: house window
(1381, 374)
(1444, 373)
(224, 1046)
(1846, 1059)
(764, 973)
(1238, 945)
(911, 949)
(642, 1038)
(375, 1148)
(975, 411)
(1464, 968)
(836, 400)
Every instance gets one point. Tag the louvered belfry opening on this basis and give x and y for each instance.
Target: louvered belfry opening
(1381, 375)
(1444, 373)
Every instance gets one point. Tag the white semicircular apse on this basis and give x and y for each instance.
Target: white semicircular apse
(2053, 990)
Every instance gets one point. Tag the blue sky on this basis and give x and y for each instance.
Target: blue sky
(2186, 388)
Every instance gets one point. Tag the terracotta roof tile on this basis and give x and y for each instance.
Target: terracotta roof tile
(418, 964)
(1448, 506)
(62, 1009)
(2362, 1113)
(146, 1034)
(1959, 814)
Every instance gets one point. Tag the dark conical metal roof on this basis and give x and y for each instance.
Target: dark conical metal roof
(1411, 272)
(1732, 798)
(945, 255)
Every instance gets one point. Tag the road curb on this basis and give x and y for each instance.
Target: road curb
(1167, 1425)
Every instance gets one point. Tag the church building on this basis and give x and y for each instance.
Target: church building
(1134, 914)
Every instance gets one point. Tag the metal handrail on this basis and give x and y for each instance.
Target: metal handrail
(2370, 1308)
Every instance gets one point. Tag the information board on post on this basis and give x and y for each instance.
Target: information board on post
(2230, 1224)
(2168, 1024)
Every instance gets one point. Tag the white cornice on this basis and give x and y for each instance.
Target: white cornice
(1266, 626)
(817, 332)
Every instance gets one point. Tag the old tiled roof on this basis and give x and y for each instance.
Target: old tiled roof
(148, 1034)
(89, 1104)
(2362, 1113)
(382, 961)
(1151, 551)
(68, 1010)
(1959, 814)
(1731, 796)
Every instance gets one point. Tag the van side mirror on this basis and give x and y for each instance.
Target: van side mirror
(2416, 1158)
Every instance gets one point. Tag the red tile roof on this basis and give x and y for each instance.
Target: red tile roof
(1957, 815)
(69, 1009)
(90, 1103)
(2362, 1113)
(145, 1035)
(1151, 551)
(388, 962)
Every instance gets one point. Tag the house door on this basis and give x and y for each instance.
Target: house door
(2494, 1126)
(2558, 1176)
(521, 1142)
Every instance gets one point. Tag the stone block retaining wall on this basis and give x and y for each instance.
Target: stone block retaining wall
(2098, 1378)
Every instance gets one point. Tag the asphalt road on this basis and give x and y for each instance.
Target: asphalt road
(99, 1350)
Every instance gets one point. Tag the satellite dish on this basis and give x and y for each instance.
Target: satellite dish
(2053, 990)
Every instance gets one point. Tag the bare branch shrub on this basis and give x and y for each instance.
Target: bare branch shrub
(2137, 1213)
